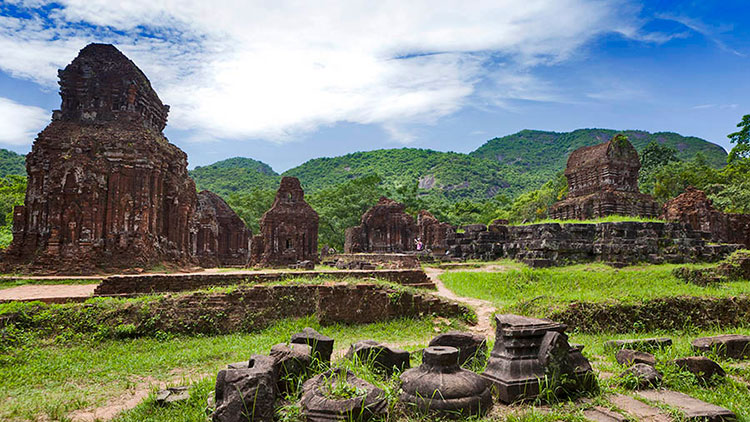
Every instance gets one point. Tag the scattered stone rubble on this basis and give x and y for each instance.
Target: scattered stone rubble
(440, 385)
(288, 231)
(526, 351)
(367, 401)
(602, 181)
(733, 346)
(380, 356)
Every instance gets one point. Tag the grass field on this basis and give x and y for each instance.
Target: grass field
(731, 392)
(53, 377)
(540, 291)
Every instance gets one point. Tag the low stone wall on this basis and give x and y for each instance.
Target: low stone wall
(157, 283)
(618, 243)
(243, 309)
(672, 313)
(393, 261)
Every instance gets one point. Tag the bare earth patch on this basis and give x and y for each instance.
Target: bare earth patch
(33, 291)
(483, 308)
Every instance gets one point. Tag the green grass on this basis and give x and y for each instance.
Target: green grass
(7, 284)
(53, 378)
(733, 392)
(607, 219)
(539, 291)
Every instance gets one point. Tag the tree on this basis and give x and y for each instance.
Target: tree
(741, 138)
(251, 206)
(654, 157)
(12, 193)
(535, 205)
(341, 206)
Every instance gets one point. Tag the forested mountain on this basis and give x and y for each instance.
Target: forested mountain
(12, 163)
(452, 175)
(547, 152)
(509, 165)
(235, 175)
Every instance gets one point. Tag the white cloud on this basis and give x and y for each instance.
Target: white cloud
(236, 69)
(20, 123)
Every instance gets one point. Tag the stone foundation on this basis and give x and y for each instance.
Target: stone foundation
(249, 308)
(156, 283)
(391, 261)
(604, 203)
(670, 313)
(619, 243)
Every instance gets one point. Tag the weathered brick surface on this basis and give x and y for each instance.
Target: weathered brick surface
(670, 313)
(220, 236)
(603, 180)
(693, 207)
(386, 227)
(155, 283)
(559, 244)
(288, 231)
(106, 190)
(252, 308)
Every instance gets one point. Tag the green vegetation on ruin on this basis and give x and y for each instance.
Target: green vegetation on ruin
(607, 219)
(539, 292)
(6, 283)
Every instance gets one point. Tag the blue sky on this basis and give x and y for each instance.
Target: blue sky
(286, 81)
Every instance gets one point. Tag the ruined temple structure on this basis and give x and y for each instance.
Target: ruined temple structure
(433, 233)
(385, 228)
(288, 231)
(221, 237)
(693, 207)
(603, 180)
(105, 187)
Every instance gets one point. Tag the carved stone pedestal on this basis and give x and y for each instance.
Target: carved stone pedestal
(529, 351)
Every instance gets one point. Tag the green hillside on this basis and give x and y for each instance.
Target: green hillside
(12, 163)
(509, 165)
(547, 152)
(449, 174)
(236, 174)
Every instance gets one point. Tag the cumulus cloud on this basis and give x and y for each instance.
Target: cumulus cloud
(20, 123)
(235, 69)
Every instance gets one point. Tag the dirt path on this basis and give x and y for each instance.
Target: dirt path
(483, 308)
(38, 291)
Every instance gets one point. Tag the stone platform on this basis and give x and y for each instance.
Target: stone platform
(618, 243)
(160, 283)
